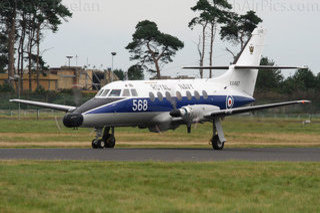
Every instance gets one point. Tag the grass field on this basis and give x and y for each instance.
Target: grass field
(240, 132)
(158, 187)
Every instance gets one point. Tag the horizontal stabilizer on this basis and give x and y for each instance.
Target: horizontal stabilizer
(240, 110)
(207, 68)
(45, 105)
(245, 67)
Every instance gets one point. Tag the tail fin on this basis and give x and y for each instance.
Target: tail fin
(252, 52)
(250, 56)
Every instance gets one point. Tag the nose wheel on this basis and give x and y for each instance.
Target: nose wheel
(107, 141)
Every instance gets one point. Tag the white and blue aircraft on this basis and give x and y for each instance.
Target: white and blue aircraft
(163, 105)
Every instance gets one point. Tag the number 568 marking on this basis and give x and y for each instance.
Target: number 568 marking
(140, 105)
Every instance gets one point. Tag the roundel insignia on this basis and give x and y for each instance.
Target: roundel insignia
(229, 102)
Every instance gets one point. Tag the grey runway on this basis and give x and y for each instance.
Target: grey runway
(167, 155)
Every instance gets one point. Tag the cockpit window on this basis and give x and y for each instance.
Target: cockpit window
(134, 92)
(100, 92)
(105, 93)
(115, 93)
(126, 93)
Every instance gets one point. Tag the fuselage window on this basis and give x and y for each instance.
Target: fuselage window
(152, 97)
(126, 93)
(189, 95)
(197, 95)
(100, 92)
(134, 92)
(205, 94)
(105, 93)
(168, 96)
(115, 93)
(160, 96)
(179, 96)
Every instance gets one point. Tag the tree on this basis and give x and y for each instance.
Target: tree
(150, 46)
(302, 81)
(23, 22)
(269, 80)
(3, 52)
(8, 15)
(135, 72)
(203, 21)
(41, 15)
(213, 13)
(48, 16)
(120, 74)
(305, 79)
(238, 30)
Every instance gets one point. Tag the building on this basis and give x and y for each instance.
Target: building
(65, 78)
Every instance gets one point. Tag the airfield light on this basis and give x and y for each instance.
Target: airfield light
(113, 54)
(69, 57)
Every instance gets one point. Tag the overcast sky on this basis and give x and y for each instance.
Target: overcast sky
(99, 27)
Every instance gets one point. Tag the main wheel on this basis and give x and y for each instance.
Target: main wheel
(94, 144)
(216, 143)
(110, 142)
(101, 144)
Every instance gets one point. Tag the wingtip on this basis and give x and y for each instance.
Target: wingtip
(305, 67)
(305, 102)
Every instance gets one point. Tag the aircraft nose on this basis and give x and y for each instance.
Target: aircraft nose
(73, 120)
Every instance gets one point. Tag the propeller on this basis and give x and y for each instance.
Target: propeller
(77, 95)
(57, 123)
(176, 113)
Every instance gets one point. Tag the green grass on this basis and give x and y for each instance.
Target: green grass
(158, 187)
(231, 124)
(238, 130)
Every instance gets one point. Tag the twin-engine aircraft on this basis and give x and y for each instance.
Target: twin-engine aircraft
(166, 104)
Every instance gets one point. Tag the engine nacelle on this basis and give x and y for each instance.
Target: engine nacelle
(194, 113)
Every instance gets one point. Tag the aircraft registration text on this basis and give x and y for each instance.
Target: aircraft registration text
(140, 105)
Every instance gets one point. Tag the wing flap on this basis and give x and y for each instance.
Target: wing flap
(240, 110)
(44, 105)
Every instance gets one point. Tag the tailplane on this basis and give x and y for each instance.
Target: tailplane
(243, 74)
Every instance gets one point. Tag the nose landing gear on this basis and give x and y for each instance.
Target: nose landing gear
(108, 140)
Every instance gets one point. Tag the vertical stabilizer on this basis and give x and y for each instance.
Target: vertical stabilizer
(245, 79)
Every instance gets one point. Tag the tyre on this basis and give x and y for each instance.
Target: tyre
(216, 143)
(101, 144)
(94, 144)
(110, 142)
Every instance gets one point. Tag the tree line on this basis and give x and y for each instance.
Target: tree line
(24, 22)
(152, 49)
(272, 84)
(22, 27)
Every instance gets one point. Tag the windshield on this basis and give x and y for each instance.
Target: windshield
(100, 92)
(115, 93)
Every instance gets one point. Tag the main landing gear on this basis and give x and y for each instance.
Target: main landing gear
(107, 141)
(218, 138)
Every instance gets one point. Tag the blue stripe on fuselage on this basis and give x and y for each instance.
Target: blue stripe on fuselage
(127, 105)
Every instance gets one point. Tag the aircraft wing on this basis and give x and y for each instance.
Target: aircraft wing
(240, 110)
(45, 105)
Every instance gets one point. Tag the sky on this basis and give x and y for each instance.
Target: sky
(99, 27)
